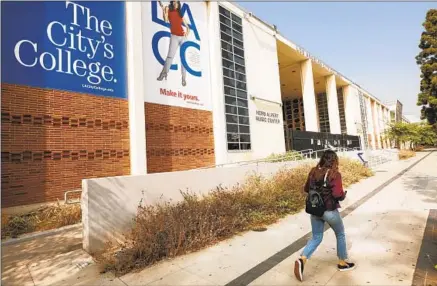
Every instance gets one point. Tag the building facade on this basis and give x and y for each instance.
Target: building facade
(98, 89)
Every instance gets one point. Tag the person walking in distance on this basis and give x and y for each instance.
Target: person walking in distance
(325, 189)
(172, 14)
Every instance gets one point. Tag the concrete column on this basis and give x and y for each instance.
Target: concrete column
(381, 125)
(334, 114)
(387, 122)
(370, 125)
(351, 109)
(375, 110)
(309, 98)
(137, 128)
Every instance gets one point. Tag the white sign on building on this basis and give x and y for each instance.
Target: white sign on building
(176, 58)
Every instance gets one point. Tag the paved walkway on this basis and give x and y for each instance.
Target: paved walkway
(385, 229)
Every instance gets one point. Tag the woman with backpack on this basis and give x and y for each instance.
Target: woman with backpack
(325, 189)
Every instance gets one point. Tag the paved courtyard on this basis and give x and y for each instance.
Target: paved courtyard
(391, 227)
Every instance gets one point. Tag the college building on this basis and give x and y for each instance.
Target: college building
(100, 89)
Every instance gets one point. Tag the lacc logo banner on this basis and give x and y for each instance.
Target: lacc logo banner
(185, 12)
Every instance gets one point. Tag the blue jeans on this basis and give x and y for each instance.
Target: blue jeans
(333, 218)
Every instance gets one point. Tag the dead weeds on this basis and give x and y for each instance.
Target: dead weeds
(171, 229)
(406, 154)
(45, 218)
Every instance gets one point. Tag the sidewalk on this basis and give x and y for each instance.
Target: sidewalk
(384, 238)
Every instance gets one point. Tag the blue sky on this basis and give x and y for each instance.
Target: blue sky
(372, 43)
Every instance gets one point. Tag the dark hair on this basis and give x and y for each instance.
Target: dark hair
(172, 7)
(329, 160)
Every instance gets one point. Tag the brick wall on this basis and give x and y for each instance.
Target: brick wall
(178, 138)
(53, 139)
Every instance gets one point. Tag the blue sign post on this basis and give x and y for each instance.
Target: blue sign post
(74, 46)
(360, 155)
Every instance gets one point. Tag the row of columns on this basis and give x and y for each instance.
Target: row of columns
(376, 114)
(309, 99)
(377, 124)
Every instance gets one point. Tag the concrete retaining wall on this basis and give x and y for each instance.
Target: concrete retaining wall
(110, 204)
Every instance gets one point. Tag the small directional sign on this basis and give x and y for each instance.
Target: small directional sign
(360, 155)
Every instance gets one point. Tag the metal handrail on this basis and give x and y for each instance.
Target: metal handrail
(303, 153)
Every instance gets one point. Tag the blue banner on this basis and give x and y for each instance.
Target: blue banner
(75, 46)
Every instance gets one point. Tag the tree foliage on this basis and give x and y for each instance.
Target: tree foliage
(427, 60)
(413, 133)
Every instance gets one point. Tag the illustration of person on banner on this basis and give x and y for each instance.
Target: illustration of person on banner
(172, 14)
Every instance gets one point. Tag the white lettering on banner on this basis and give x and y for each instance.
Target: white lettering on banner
(267, 117)
(68, 37)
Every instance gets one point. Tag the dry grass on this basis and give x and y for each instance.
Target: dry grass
(168, 230)
(288, 156)
(419, 148)
(406, 154)
(50, 217)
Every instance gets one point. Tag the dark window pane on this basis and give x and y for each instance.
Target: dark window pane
(229, 90)
(227, 55)
(239, 44)
(224, 12)
(236, 19)
(227, 64)
(241, 94)
(240, 69)
(228, 73)
(237, 27)
(230, 109)
(243, 111)
(241, 77)
(226, 29)
(237, 35)
(245, 146)
(232, 128)
(244, 129)
(245, 138)
(226, 37)
(243, 120)
(239, 60)
(233, 146)
(231, 118)
(242, 102)
(228, 81)
(233, 137)
(241, 85)
(239, 52)
(231, 100)
(225, 20)
(226, 46)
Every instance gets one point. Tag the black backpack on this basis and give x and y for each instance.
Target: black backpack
(315, 204)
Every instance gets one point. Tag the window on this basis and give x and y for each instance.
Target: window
(234, 81)
(341, 112)
(294, 117)
(322, 105)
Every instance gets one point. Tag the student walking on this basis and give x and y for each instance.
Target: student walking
(325, 189)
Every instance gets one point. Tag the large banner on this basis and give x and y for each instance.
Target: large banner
(75, 46)
(176, 54)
